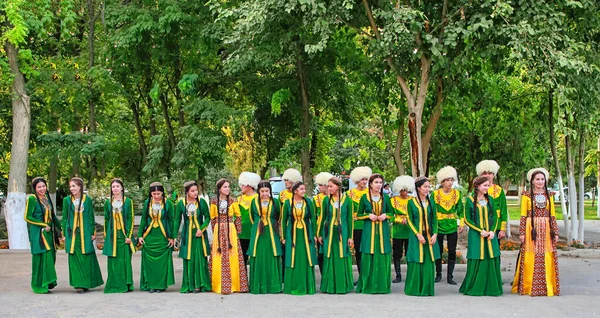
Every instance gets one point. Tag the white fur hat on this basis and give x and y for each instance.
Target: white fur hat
(446, 172)
(404, 183)
(322, 178)
(250, 179)
(292, 175)
(487, 166)
(543, 170)
(360, 173)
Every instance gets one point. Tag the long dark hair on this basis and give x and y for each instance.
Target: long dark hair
(34, 183)
(79, 182)
(532, 216)
(267, 184)
(308, 213)
(220, 184)
(338, 183)
(476, 183)
(371, 179)
(157, 186)
(186, 188)
(419, 182)
(120, 182)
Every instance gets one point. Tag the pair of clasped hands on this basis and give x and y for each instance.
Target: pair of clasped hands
(171, 241)
(62, 236)
(350, 241)
(488, 234)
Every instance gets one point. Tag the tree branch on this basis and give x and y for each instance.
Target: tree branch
(357, 29)
(399, 78)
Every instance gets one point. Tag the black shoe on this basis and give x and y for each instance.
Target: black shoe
(152, 291)
(355, 283)
(159, 291)
(196, 291)
(438, 278)
(449, 276)
(398, 279)
(80, 290)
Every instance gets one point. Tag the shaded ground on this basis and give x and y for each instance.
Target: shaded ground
(580, 285)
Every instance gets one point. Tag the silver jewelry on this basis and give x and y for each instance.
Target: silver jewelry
(156, 207)
(336, 205)
(76, 202)
(191, 209)
(376, 198)
(223, 207)
(117, 206)
(264, 204)
(299, 205)
(482, 202)
(540, 201)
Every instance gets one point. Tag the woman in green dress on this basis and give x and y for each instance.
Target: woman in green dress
(80, 226)
(44, 233)
(422, 242)
(335, 235)
(118, 239)
(266, 273)
(376, 210)
(194, 248)
(298, 222)
(156, 236)
(483, 276)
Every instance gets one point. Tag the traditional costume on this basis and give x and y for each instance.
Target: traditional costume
(118, 226)
(400, 229)
(537, 264)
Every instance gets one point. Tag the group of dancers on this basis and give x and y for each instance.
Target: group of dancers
(262, 244)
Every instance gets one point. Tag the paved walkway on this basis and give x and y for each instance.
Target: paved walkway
(580, 286)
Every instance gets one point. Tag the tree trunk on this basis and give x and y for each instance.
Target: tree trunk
(52, 179)
(561, 189)
(273, 172)
(398, 147)
(572, 189)
(521, 189)
(415, 101)
(433, 119)
(581, 184)
(304, 124)
(598, 181)
(138, 128)
(92, 95)
(170, 133)
(14, 208)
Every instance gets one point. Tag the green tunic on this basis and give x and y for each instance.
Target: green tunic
(157, 258)
(243, 204)
(43, 250)
(497, 193)
(193, 250)
(300, 254)
(84, 271)
(355, 195)
(318, 201)
(483, 276)
(450, 210)
(335, 227)
(266, 273)
(376, 247)
(421, 257)
(118, 226)
(400, 229)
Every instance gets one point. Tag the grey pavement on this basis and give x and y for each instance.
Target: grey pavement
(580, 286)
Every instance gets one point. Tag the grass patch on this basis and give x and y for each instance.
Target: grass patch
(514, 212)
